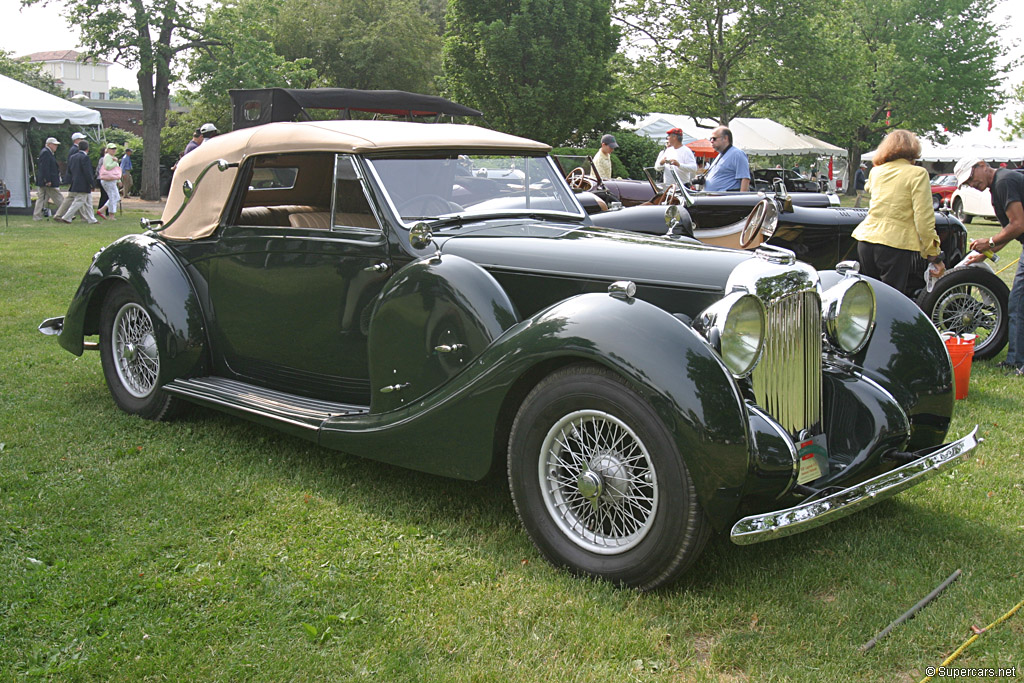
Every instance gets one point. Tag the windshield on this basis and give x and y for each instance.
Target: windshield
(473, 186)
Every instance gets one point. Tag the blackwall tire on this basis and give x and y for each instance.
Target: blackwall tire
(970, 300)
(598, 483)
(130, 356)
(958, 211)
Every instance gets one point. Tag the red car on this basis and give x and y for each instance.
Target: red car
(942, 189)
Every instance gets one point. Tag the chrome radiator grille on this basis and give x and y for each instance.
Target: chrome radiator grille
(787, 381)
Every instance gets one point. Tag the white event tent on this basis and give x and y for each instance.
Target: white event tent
(759, 137)
(984, 141)
(22, 105)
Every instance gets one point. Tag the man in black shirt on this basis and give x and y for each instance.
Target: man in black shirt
(1007, 189)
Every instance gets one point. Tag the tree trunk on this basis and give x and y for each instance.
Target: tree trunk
(155, 96)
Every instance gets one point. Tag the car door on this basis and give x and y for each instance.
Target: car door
(291, 300)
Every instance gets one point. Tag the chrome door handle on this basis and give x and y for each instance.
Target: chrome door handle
(377, 268)
(449, 348)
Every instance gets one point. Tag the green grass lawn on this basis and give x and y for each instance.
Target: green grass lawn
(210, 548)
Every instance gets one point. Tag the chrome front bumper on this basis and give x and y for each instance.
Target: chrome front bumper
(815, 513)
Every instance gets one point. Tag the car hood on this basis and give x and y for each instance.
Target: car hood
(587, 252)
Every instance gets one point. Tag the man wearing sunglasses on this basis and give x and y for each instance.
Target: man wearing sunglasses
(1007, 190)
(730, 170)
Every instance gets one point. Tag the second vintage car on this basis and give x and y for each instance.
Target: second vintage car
(966, 300)
(433, 296)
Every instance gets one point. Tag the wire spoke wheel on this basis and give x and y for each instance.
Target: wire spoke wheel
(137, 360)
(970, 300)
(130, 355)
(598, 482)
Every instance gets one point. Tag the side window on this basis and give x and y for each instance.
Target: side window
(287, 190)
(351, 208)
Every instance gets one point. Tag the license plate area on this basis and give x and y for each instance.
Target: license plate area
(813, 456)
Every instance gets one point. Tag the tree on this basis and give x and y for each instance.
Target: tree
(378, 44)
(123, 94)
(240, 55)
(148, 35)
(923, 65)
(538, 68)
(1015, 123)
(719, 59)
(29, 73)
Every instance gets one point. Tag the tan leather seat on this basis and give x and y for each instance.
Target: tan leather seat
(321, 220)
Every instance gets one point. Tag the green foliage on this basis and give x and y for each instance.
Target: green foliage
(537, 68)
(719, 59)
(1015, 123)
(921, 64)
(124, 95)
(636, 152)
(29, 74)
(241, 56)
(384, 45)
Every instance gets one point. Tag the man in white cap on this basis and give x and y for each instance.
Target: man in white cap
(47, 180)
(1007, 189)
(66, 204)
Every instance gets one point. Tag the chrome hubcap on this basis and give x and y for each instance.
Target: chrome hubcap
(598, 482)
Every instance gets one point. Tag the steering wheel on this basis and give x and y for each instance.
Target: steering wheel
(578, 180)
(426, 204)
(752, 226)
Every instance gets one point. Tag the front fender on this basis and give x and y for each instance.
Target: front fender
(156, 274)
(451, 430)
(908, 359)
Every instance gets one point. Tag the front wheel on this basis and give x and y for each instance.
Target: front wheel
(130, 356)
(970, 300)
(599, 483)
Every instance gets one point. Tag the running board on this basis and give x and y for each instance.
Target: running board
(260, 403)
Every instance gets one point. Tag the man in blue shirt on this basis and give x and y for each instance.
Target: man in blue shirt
(730, 170)
(126, 172)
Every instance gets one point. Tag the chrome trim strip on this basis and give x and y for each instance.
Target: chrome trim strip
(815, 513)
(764, 415)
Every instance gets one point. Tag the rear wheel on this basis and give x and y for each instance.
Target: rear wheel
(130, 356)
(970, 300)
(599, 484)
(958, 211)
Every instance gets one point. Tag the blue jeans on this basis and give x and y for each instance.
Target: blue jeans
(1015, 347)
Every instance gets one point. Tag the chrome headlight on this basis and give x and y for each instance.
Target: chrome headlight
(848, 312)
(734, 327)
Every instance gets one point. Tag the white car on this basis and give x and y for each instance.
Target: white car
(968, 203)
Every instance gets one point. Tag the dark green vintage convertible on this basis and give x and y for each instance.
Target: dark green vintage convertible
(434, 296)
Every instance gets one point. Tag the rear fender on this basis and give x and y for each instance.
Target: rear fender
(149, 267)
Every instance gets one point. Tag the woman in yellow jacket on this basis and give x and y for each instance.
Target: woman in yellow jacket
(900, 225)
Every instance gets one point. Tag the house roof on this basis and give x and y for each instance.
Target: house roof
(62, 56)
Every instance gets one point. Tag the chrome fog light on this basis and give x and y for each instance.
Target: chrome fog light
(848, 312)
(734, 327)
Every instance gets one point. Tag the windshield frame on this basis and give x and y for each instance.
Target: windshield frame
(468, 214)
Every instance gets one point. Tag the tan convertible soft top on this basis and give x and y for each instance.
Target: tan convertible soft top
(200, 217)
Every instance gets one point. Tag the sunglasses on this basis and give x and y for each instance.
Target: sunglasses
(712, 138)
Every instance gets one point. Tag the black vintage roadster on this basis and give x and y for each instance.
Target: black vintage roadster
(434, 296)
(967, 300)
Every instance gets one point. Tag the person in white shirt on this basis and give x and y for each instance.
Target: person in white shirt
(678, 155)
